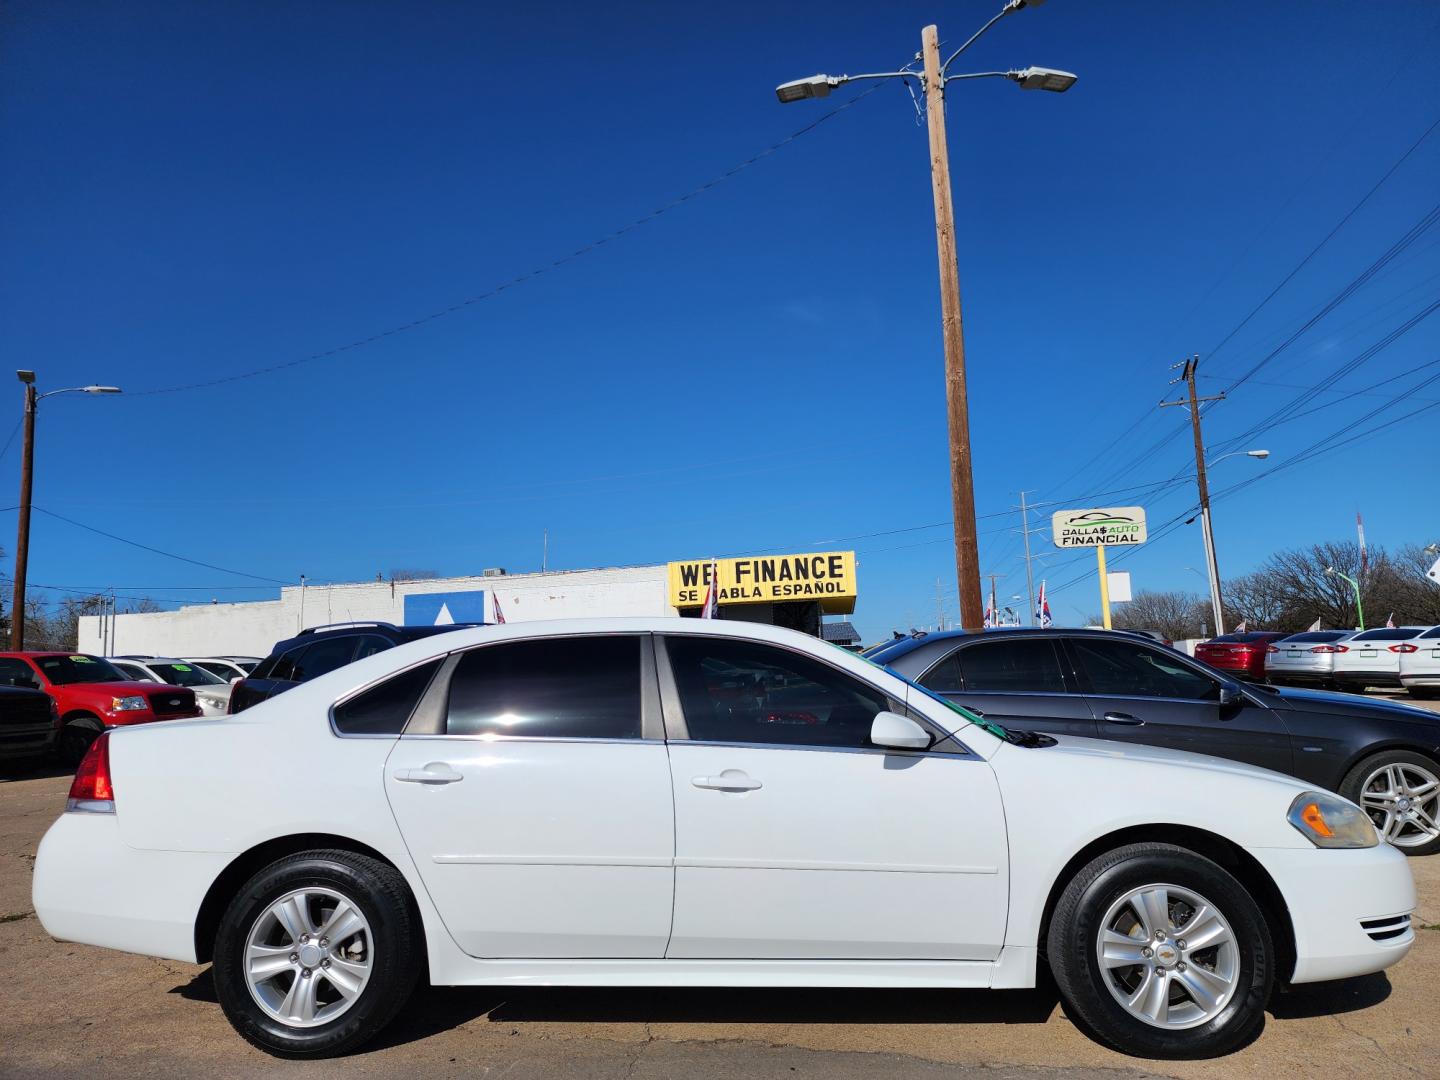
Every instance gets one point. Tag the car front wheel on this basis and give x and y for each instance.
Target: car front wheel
(1400, 791)
(1161, 953)
(316, 953)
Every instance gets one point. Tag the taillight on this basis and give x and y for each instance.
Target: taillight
(1328, 648)
(1271, 648)
(92, 792)
(1405, 648)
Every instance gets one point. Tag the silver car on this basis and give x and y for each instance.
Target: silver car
(1305, 658)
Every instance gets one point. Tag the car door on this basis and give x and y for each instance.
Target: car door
(535, 799)
(1157, 697)
(797, 839)
(1017, 680)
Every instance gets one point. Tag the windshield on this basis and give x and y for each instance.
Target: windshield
(186, 675)
(64, 670)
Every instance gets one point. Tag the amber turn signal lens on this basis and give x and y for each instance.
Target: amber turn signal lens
(1312, 816)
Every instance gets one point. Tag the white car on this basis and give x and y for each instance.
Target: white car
(1305, 658)
(1420, 664)
(1372, 657)
(229, 668)
(618, 802)
(212, 693)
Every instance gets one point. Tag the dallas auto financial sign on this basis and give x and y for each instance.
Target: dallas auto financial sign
(1112, 526)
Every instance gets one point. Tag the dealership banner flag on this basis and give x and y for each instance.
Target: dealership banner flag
(499, 615)
(1042, 608)
(711, 609)
(1315, 626)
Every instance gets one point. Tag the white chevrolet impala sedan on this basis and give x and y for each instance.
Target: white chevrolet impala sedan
(675, 802)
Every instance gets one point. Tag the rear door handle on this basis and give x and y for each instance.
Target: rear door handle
(1124, 718)
(729, 780)
(437, 772)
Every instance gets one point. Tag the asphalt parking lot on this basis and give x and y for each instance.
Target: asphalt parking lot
(75, 1010)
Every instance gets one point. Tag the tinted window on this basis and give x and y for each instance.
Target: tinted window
(323, 657)
(385, 709)
(1313, 637)
(580, 688)
(744, 691)
(223, 671)
(282, 667)
(944, 677)
(1433, 633)
(1388, 633)
(370, 645)
(1013, 665)
(1116, 667)
(17, 673)
(129, 671)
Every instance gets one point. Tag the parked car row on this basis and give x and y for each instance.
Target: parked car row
(1404, 657)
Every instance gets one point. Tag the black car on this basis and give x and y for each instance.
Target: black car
(1381, 755)
(321, 649)
(29, 723)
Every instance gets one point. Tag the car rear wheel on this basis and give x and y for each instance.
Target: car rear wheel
(1161, 953)
(1400, 790)
(317, 953)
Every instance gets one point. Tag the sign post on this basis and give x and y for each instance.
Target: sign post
(1118, 526)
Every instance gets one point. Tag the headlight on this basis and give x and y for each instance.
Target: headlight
(1329, 821)
(128, 704)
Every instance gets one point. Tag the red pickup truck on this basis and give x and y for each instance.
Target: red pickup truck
(92, 695)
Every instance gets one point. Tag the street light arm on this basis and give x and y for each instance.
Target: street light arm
(79, 390)
(1012, 6)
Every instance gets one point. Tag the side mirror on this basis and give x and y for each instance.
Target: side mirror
(1229, 694)
(898, 732)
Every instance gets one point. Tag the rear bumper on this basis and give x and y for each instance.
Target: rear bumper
(92, 888)
(1420, 678)
(1350, 909)
(1362, 677)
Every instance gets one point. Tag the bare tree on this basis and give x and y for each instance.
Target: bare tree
(404, 574)
(1177, 615)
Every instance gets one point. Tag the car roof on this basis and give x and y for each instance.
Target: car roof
(909, 643)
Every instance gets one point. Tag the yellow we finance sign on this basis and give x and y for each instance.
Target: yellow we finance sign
(826, 576)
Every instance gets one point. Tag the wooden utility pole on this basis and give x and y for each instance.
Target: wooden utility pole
(1194, 402)
(22, 540)
(957, 409)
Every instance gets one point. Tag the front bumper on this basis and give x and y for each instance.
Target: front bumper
(1346, 907)
(92, 888)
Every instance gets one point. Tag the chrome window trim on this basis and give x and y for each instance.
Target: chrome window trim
(964, 753)
(372, 684)
(487, 738)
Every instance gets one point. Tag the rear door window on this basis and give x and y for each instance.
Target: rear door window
(1017, 665)
(567, 688)
(385, 709)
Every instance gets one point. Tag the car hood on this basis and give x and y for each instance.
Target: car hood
(222, 691)
(1135, 754)
(1325, 701)
(126, 688)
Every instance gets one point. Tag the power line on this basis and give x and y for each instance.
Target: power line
(579, 252)
(158, 551)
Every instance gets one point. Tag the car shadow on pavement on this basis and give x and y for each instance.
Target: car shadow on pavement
(436, 1009)
(1330, 998)
(33, 769)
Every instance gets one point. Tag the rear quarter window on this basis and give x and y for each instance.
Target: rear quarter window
(385, 709)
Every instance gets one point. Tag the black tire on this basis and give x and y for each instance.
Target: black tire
(1355, 780)
(1072, 952)
(75, 739)
(397, 953)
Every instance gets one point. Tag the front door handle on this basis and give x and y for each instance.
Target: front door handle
(729, 780)
(1124, 718)
(437, 772)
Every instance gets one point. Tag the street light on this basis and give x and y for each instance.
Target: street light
(1355, 585)
(1206, 530)
(27, 475)
(934, 79)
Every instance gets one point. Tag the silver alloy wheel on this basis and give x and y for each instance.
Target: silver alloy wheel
(308, 957)
(1403, 800)
(1168, 956)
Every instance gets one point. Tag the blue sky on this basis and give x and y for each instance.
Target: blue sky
(195, 192)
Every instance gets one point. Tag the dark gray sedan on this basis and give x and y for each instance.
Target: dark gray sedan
(1382, 755)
